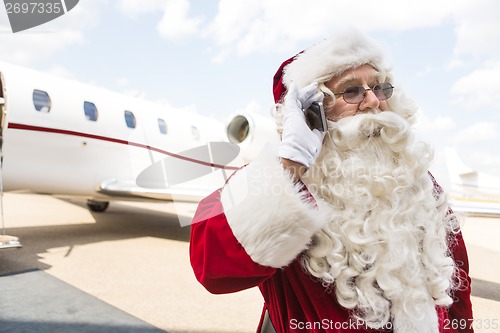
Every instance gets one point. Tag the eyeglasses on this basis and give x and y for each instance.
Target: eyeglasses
(355, 95)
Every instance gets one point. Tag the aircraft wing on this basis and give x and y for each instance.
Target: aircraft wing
(475, 207)
(115, 188)
(472, 192)
(174, 178)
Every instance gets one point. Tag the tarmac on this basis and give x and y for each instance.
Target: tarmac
(127, 270)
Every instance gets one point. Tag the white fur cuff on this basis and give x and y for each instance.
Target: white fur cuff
(268, 214)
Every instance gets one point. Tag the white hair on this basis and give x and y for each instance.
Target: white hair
(385, 252)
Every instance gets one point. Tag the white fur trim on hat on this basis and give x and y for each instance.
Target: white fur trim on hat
(268, 213)
(345, 50)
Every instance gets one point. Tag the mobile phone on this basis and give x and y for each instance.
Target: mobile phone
(315, 117)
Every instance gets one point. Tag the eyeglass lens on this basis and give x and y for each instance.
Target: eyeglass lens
(356, 94)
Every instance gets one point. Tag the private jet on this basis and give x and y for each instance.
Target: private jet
(472, 192)
(68, 139)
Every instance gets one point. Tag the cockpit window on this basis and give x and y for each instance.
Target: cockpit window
(41, 101)
(162, 125)
(90, 111)
(130, 119)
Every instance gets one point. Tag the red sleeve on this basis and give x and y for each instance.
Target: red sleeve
(219, 261)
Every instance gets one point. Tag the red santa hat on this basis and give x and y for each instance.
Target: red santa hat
(333, 56)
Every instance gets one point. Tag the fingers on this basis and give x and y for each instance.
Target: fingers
(300, 100)
(317, 97)
(309, 94)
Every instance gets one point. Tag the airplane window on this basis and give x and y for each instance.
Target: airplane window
(90, 111)
(162, 126)
(130, 119)
(41, 101)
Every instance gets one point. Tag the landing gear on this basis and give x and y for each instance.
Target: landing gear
(97, 206)
(7, 241)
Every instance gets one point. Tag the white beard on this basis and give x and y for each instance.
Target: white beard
(385, 251)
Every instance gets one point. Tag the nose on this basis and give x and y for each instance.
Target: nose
(370, 102)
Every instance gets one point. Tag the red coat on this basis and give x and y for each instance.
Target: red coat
(296, 301)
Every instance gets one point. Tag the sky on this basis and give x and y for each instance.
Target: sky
(219, 57)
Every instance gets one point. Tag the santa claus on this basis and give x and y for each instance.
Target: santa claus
(343, 230)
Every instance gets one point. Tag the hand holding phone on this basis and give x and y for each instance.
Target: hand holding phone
(315, 117)
(298, 142)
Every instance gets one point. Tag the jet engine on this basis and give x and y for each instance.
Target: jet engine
(253, 132)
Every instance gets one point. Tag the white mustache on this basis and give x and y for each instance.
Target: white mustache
(351, 132)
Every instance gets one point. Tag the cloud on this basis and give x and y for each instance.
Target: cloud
(479, 132)
(132, 8)
(479, 89)
(434, 129)
(264, 26)
(477, 51)
(60, 71)
(437, 124)
(486, 160)
(176, 25)
(28, 48)
(426, 71)
(478, 30)
(251, 107)
(232, 19)
(39, 43)
(257, 26)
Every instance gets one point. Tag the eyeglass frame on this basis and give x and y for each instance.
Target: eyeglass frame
(366, 90)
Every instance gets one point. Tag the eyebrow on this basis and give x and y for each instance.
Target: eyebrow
(352, 78)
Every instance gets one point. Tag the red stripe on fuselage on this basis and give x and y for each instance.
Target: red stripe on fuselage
(119, 141)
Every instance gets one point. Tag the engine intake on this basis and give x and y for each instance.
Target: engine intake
(252, 132)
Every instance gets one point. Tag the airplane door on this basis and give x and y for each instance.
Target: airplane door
(2, 111)
(6, 241)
